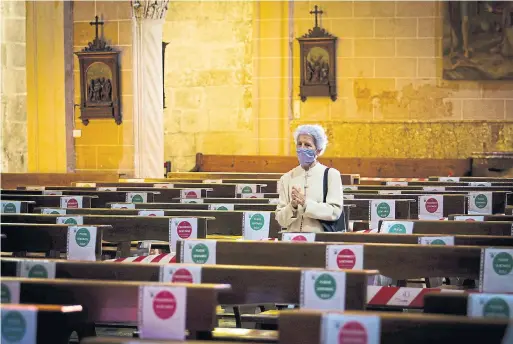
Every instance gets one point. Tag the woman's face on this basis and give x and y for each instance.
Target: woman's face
(306, 141)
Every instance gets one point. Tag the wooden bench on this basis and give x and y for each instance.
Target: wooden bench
(499, 228)
(485, 217)
(121, 229)
(448, 303)
(201, 206)
(477, 179)
(412, 239)
(509, 210)
(117, 301)
(12, 180)
(51, 239)
(422, 261)
(50, 201)
(305, 327)
(10, 206)
(54, 323)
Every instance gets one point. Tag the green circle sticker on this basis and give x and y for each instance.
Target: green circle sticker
(137, 199)
(438, 242)
(70, 221)
(246, 190)
(200, 254)
(383, 210)
(10, 208)
(496, 307)
(256, 222)
(397, 229)
(82, 237)
(38, 271)
(325, 286)
(55, 212)
(222, 208)
(503, 263)
(348, 189)
(191, 202)
(6, 294)
(14, 326)
(481, 201)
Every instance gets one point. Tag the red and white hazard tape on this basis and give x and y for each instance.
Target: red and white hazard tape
(400, 296)
(163, 258)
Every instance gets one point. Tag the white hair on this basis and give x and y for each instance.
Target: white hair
(316, 132)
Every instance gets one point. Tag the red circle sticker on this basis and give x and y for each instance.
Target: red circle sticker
(346, 259)
(124, 208)
(164, 305)
(470, 220)
(299, 238)
(184, 229)
(352, 333)
(191, 194)
(182, 276)
(152, 215)
(431, 205)
(72, 203)
(164, 187)
(253, 197)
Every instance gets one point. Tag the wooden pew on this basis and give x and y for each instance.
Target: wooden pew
(121, 229)
(486, 217)
(298, 327)
(12, 180)
(499, 228)
(447, 303)
(51, 239)
(250, 284)
(50, 201)
(120, 340)
(478, 179)
(412, 239)
(509, 210)
(10, 206)
(47, 318)
(117, 302)
(423, 260)
(202, 206)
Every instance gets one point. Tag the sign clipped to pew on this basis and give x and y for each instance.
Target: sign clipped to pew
(122, 206)
(298, 237)
(10, 292)
(252, 195)
(323, 289)
(181, 229)
(469, 218)
(480, 202)
(246, 188)
(434, 188)
(107, 188)
(449, 179)
(191, 200)
(274, 200)
(380, 210)
(396, 227)
(151, 213)
(72, 202)
(19, 325)
(52, 193)
(398, 183)
(34, 188)
(490, 305)
(350, 188)
(221, 206)
(496, 275)
(198, 251)
(82, 243)
(437, 240)
(11, 207)
(345, 257)
(180, 274)
(39, 268)
(255, 225)
(70, 220)
(431, 207)
(85, 185)
(162, 312)
(163, 186)
(136, 197)
(351, 329)
(190, 193)
(50, 211)
(484, 184)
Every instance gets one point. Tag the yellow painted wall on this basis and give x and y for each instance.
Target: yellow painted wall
(104, 145)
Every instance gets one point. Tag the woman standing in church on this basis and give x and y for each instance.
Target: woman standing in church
(301, 207)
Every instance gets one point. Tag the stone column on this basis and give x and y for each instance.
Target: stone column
(148, 21)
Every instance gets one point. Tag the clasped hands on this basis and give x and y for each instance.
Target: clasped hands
(298, 198)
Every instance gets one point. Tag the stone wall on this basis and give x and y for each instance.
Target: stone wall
(14, 87)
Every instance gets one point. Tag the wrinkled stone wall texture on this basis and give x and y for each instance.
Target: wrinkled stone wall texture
(14, 87)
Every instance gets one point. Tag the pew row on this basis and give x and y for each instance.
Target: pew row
(458, 304)
(498, 228)
(51, 200)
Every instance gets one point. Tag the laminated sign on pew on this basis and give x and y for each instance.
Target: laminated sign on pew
(221, 206)
(190, 194)
(485, 184)
(350, 329)
(255, 225)
(52, 193)
(180, 274)
(107, 188)
(181, 229)
(469, 218)
(246, 188)
(163, 186)
(490, 305)
(381, 210)
(122, 206)
(323, 289)
(396, 227)
(11, 207)
(431, 207)
(70, 220)
(345, 257)
(72, 202)
(298, 237)
(136, 197)
(19, 325)
(82, 243)
(449, 179)
(191, 200)
(437, 240)
(10, 292)
(397, 183)
(480, 203)
(50, 211)
(162, 312)
(35, 268)
(496, 274)
(151, 213)
(252, 195)
(198, 251)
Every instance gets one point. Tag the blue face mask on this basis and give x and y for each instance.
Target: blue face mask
(305, 156)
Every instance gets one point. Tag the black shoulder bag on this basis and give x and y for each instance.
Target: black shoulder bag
(338, 225)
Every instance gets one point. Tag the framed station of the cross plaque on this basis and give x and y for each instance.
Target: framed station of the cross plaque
(99, 81)
(318, 63)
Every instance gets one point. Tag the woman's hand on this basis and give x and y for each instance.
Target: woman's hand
(297, 197)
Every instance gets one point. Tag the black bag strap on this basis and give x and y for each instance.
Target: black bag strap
(325, 185)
